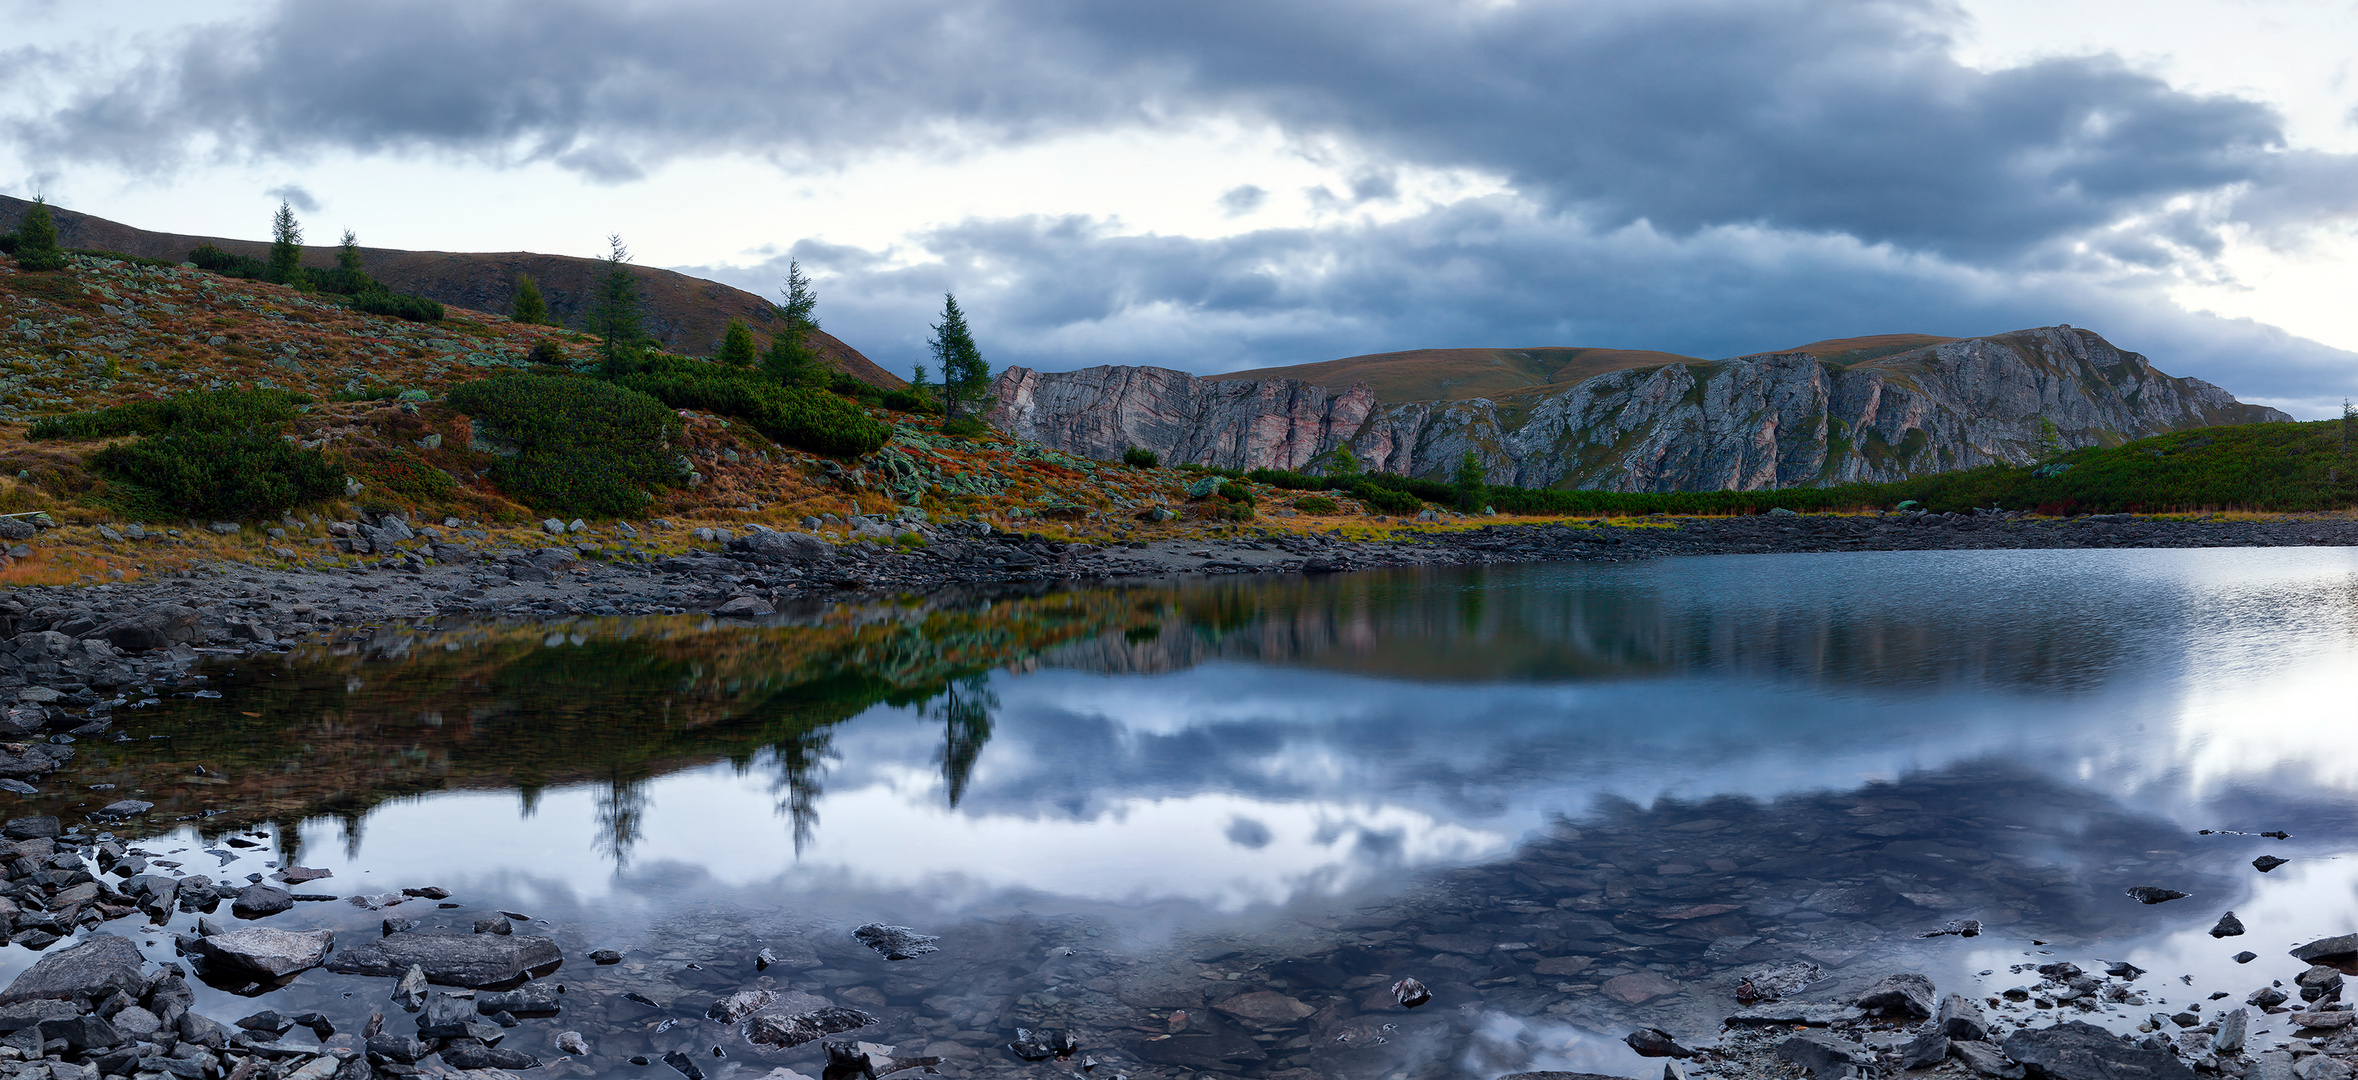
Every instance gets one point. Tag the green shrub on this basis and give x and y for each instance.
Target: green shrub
(546, 354)
(342, 281)
(1317, 504)
(585, 447)
(1236, 493)
(210, 474)
(398, 305)
(370, 392)
(797, 416)
(7, 243)
(1139, 457)
(904, 401)
(220, 411)
(964, 427)
(1386, 499)
(210, 258)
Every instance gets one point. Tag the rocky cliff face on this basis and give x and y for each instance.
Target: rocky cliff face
(1765, 421)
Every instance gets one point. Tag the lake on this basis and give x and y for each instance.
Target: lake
(1203, 826)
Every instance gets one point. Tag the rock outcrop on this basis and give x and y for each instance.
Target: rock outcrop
(1765, 421)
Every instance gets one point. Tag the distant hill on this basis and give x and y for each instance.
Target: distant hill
(1461, 374)
(686, 315)
(1859, 350)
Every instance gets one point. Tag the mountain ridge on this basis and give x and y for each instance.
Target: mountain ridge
(685, 314)
(1781, 419)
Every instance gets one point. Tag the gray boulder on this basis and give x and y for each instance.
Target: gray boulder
(800, 547)
(2078, 1050)
(100, 965)
(1906, 996)
(159, 627)
(2328, 950)
(271, 954)
(1826, 1057)
(469, 960)
(1961, 1018)
(745, 607)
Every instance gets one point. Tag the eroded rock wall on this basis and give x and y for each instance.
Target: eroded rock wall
(1763, 421)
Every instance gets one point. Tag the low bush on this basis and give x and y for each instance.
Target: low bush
(1139, 457)
(1234, 492)
(218, 475)
(220, 411)
(1386, 499)
(545, 353)
(797, 416)
(904, 401)
(585, 447)
(208, 257)
(398, 305)
(1318, 504)
(965, 427)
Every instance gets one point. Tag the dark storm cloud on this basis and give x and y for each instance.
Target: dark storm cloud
(1060, 293)
(1836, 117)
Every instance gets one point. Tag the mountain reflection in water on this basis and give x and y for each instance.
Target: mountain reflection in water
(1519, 783)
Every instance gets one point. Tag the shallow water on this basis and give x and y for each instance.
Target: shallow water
(1537, 789)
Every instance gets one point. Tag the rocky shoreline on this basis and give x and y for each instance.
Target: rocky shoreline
(419, 575)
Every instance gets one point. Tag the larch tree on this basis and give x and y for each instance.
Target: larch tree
(530, 308)
(791, 359)
(36, 239)
(736, 347)
(285, 266)
(618, 316)
(965, 376)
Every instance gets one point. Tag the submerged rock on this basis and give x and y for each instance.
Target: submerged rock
(470, 960)
(896, 942)
(1655, 1042)
(790, 1030)
(2154, 894)
(2266, 863)
(1409, 993)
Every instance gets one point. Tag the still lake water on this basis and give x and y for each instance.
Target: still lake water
(1570, 799)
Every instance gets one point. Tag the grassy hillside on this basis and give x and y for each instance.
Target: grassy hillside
(1854, 350)
(685, 315)
(1459, 374)
(1504, 374)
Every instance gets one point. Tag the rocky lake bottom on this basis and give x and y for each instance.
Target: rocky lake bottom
(1588, 818)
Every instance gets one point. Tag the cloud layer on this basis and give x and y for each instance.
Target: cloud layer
(1709, 176)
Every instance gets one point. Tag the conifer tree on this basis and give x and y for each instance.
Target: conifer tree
(965, 377)
(286, 248)
(1469, 480)
(791, 359)
(918, 387)
(736, 349)
(36, 239)
(348, 253)
(616, 316)
(530, 308)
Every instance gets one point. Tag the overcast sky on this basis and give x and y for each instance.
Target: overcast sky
(1221, 184)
